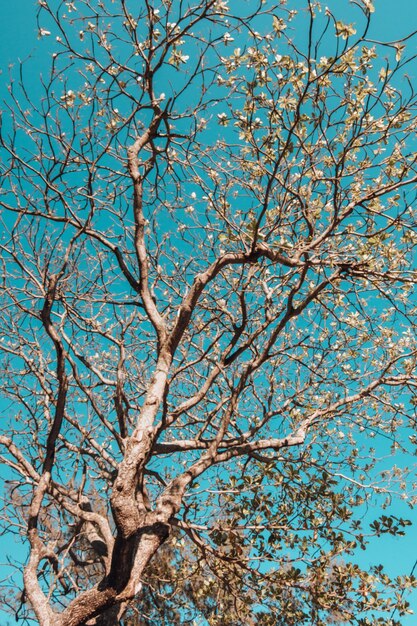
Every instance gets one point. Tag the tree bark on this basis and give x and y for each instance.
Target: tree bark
(111, 617)
(108, 600)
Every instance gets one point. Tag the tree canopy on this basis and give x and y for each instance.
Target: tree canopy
(208, 312)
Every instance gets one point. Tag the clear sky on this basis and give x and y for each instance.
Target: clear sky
(393, 19)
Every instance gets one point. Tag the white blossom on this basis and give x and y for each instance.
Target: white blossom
(227, 38)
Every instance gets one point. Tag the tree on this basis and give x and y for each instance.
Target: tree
(207, 311)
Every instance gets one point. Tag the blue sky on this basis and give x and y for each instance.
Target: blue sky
(393, 19)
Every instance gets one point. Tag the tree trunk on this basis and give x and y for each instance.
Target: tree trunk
(111, 617)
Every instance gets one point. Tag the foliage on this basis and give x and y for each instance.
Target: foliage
(208, 328)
